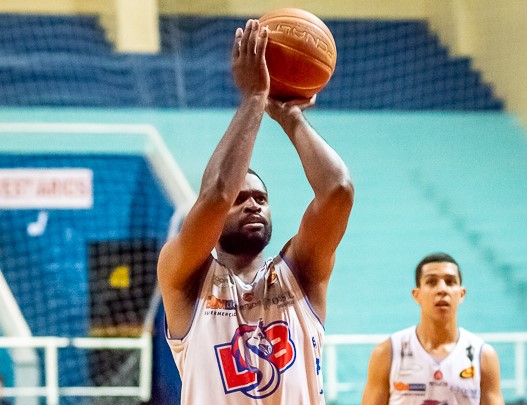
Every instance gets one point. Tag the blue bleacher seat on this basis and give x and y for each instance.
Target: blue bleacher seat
(67, 61)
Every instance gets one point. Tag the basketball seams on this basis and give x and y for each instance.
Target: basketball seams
(293, 50)
(325, 32)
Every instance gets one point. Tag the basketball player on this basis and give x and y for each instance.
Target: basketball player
(244, 329)
(435, 362)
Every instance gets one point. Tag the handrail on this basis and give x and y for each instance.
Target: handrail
(333, 386)
(51, 345)
(52, 390)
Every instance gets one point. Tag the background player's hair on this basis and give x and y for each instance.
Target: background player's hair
(437, 257)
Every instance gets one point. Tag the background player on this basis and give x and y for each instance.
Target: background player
(435, 362)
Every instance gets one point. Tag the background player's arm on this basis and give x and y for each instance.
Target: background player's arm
(312, 249)
(377, 389)
(490, 377)
(182, 258)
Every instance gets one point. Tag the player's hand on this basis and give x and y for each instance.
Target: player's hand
(287, 112)
(248, 60)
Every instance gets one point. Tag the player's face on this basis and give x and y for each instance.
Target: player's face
(440, 292)
(248, 225)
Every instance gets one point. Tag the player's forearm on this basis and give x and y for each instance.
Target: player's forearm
(325, 170)
(228, 164)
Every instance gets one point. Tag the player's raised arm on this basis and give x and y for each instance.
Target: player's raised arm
(312, 250)
(181, 258)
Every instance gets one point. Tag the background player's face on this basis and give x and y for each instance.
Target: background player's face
(248, 226)
(440, 291)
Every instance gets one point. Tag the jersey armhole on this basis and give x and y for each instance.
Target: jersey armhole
(312, 311)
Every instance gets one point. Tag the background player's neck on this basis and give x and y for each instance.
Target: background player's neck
(438, 339)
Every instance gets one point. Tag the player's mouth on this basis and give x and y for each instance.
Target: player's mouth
(253, 225)
(254, 221)
(442, 303)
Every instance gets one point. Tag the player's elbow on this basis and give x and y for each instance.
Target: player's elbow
(217, 194)
(343, 192)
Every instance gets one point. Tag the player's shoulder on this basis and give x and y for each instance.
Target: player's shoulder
(471, 337)
(382, 352)
(403, 334)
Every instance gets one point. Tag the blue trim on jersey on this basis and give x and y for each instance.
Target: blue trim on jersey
(290, 266)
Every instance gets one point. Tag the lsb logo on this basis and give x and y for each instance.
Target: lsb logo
(255, 359)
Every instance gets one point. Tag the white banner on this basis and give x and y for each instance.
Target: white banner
(46, 188)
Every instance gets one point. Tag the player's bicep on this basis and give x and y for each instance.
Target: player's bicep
(490, 378)
(182, 257)
(322, 228)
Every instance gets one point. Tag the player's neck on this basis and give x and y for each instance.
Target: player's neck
(437, 338)
(244, 266)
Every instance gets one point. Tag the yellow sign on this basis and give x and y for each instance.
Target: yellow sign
(120, 277)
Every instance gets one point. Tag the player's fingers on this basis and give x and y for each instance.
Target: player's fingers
(254, 37)
(262, 42)
(309, 102)
(302, 103)
(237, 43)
(245, 37)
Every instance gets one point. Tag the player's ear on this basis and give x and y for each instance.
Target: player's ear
(463, 292)
(415, 293)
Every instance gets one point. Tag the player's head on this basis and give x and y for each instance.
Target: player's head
(438, 257)
(438, 289)
(251, 171)
(248, 225)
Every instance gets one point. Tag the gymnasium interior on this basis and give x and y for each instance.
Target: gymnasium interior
(427, 106)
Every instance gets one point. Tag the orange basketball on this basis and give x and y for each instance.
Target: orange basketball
(301, 53)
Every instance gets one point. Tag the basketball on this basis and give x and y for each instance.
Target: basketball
(301, 53)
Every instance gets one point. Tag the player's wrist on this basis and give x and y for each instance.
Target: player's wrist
(257, 99)
(291, 120)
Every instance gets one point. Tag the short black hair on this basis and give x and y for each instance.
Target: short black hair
(251, 171)
(438, 257)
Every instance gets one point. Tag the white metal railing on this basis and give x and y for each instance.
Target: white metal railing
(517, 340)
(51, 346)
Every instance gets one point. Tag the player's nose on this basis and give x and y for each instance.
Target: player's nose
(252, 205)
(442, 285)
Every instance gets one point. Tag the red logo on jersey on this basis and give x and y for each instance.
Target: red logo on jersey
(438, 375)
(248, 296)
(255, 359)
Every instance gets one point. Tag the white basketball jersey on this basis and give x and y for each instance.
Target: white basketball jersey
(416, 378)
(257, 343)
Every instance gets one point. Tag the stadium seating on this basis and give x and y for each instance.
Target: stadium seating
(65, 61)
